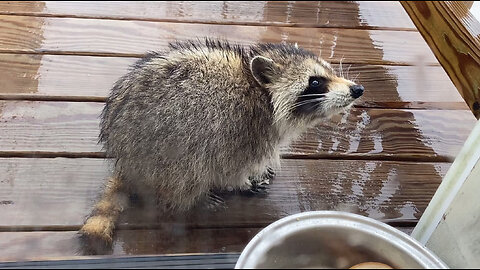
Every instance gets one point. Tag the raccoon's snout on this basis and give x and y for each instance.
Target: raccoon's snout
(356, 90)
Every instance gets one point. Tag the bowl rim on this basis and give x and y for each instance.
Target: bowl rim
(312, 219)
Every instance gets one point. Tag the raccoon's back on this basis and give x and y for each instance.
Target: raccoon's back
(187, 109)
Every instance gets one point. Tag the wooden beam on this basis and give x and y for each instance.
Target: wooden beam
(453, 35)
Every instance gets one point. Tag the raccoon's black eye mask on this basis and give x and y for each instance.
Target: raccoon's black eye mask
(310, 98)
(316, 85)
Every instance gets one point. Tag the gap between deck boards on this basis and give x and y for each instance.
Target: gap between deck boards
(339, 156)
(366, 105)
(141, 55)
(133, 227)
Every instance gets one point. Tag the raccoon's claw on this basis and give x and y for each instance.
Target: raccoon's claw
(260, 186)
(269, 173)
(215, 201)
(257, 185)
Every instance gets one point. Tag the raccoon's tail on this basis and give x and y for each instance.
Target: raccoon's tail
(97, 232)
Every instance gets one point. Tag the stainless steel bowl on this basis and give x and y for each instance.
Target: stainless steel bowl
(331, 239)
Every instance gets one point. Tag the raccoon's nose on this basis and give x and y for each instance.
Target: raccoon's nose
(356, 90)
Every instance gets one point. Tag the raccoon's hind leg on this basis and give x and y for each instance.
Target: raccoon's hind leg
(97, 232)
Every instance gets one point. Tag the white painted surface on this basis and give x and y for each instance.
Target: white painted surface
(450, 226)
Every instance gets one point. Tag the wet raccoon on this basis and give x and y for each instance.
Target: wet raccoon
(209, 115)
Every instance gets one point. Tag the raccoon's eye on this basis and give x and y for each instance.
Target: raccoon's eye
(315, 82)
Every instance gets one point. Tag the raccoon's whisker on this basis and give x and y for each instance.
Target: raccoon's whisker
(312, 95)
(341, 67)
(308, 101)
(305, 102)
(283, 114)
(355, 79)
(291, 108)
(348, 72)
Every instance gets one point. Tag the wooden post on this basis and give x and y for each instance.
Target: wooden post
(453, 35)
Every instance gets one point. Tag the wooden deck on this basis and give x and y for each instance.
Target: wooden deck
(58, 61)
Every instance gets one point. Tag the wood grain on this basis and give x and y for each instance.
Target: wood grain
(344, 14)
(453, 35)
(394, 134)
(391, 134)
(25, 34)
(184, 261)
(64, 245)
(32, 246)
(54, 75)
(37, 245)
(58, 194)
(90, 78)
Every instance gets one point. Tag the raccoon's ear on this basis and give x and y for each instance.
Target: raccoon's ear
(263, 69)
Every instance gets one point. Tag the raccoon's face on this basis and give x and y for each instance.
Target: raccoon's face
(304, 87)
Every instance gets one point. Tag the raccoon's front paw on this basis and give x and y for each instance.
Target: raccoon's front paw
(96, 236)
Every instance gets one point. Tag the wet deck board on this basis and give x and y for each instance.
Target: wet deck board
(71, 129)
(25, 34)
(59, 60)
(191, 261)
(87, 78)
(64, 245)
(351, 14)
(58, 193)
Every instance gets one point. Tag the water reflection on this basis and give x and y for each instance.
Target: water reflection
(382, 190)
(432, 128)
(315, 13)
(135, 37)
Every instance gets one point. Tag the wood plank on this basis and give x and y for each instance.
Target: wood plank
(65, 245)
(344, 14)
(38, 126)
(54, 75)
(89, 78)
(19, 246)
(390, 134)
(72, 127)
(25, 34)
(452, 33)
(33, 246)
(58, 193)
(175, 261)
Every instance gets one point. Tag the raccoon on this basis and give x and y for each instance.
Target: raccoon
(206, 115)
